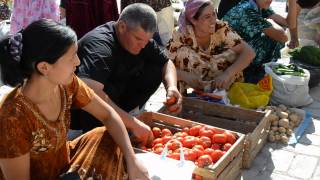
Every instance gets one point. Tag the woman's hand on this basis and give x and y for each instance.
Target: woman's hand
(193, 80)
(222, 81)
(293, 43)
(142, 133)
(136, 170)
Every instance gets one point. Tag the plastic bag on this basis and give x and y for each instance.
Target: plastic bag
(289, 90)
(165, 24)
(249, 95)
(162, 168)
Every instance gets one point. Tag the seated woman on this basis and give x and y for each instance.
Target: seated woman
(257, 24)
(207, 53)
(35, 116)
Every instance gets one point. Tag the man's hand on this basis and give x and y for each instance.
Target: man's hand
(172, 92)
(142, 133)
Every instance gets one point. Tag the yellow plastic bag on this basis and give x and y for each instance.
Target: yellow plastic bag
(249, 95)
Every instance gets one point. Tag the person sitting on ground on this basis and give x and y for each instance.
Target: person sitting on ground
(207, 53)
(125, 66)
(257, 24)
(35, 116)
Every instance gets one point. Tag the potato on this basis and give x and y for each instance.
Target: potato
(294, 117)
(277, 137)
(284, 122)
(282, 114)
(274, 128)
(283, 107)
(282, 129)
(289, 132)
(284, 139)
(271, 138)
(273, 117)
(275, 123)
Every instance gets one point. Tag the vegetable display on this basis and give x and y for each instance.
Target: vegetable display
(291, 69)
(307, 54)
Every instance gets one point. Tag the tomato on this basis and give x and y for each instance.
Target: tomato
(198, 146)
(205, 131)
(197, 177)
(173, 144)
(189, 141)
(174, 156)
(180, 134)
(156, 132)
(166, 132)
(230, 137)
(158, 150)
(205, 141)
(186, 130)
(158, 145)
(172, 108)
(216, 146)
(190, 155)
(226, 146)
(179, 139)
(194, 131)
(216, 155)
(156, 141)
(208, 151)
(198, 151)
(219, 138)
(171, 100)
(204, 160)
(166, 139)
(216, 130)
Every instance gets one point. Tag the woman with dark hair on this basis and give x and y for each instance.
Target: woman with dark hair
(207, 53)
(35, 116)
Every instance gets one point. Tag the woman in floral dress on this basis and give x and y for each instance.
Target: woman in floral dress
(35, 116)
(207, 53)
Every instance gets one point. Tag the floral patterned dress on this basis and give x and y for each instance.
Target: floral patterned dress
(188, 56)
(23, 129)
(26, 11)
(247, 20)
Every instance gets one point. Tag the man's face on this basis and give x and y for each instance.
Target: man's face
(133, 40)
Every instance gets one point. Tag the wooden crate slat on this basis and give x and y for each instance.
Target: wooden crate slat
(232, 171)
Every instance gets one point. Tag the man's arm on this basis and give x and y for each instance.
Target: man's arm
(170, 81)
(140, 130)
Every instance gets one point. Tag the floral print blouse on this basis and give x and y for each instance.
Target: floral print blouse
(188, 56)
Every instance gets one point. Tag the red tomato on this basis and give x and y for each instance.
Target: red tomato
(208, 151)
(205, 141)
(180, 134)
(171, 100)
(158, 150)
(219, 138)
(230, 137)
(157, 145)
(186, 130)
(216, 130)
(198, 146)
(166, 132)
(194, 131)
(173, 144)
(172, 108)
(226, 146)
(198, 151)
(156, 141)
(197, 177)
(216, 155)
(216, 146)
(205, 131)
(156, 132)
(204, 160)
(189, 154)
(165, 139)
(174, 156)
(189, 141)
(179, 139)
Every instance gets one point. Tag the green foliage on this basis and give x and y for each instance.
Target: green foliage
(307, 54)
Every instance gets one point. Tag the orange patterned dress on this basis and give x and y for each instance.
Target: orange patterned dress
(24, 129)
(208, 63)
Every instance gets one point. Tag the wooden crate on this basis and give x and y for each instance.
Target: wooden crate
(251, 123)
(229, 165)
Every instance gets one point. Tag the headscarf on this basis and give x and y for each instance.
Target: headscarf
(191, 8)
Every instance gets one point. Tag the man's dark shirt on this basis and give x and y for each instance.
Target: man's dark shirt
(103, 59)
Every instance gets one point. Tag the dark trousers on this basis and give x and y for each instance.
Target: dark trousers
(136, 93)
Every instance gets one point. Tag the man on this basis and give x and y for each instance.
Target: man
(124, 65)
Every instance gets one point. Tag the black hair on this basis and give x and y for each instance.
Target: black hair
(42, 41)
(200, 10)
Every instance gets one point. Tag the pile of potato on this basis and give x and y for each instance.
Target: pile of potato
(283, 122)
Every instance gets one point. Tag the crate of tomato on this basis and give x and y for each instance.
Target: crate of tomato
(254, 125)
(217, 153)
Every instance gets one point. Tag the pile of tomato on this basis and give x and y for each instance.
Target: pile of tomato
(204, 145)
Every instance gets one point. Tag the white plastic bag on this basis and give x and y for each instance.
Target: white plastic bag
(4, 28)
(165, 24)
(289, 90)
(162, 168)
